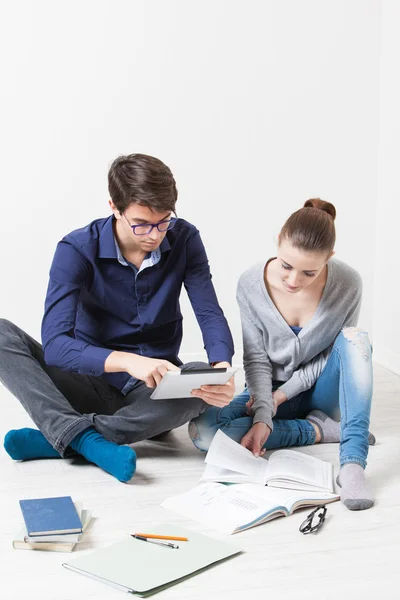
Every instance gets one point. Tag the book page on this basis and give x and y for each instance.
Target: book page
(228, 454)
(290, 465)
(221, 475)
(227, 508)
(309, 499)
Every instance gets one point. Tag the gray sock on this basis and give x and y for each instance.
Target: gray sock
(330, 429)
(355, 494)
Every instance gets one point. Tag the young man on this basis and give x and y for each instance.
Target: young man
(112, 328)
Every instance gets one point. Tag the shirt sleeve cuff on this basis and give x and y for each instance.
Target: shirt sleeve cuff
(291, 388)
(220, 353)
(263, 415)
(92, 360)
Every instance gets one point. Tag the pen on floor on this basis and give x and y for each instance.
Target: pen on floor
(162, 537)
(165, 544)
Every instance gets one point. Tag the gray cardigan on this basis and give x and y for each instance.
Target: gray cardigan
(273, 352)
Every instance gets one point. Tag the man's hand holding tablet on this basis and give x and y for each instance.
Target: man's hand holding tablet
(213, 385)
(153, 370)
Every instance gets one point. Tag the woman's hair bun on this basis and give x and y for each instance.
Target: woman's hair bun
(321, 205)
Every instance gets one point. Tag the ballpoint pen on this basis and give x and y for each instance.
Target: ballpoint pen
(165, 544)
(157, 536)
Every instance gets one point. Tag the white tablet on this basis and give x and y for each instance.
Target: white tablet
(179, 384)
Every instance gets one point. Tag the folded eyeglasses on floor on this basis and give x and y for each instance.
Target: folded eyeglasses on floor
(308, 526)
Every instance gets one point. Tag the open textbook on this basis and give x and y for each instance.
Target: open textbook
(234, 508)
(264, 490)
(229, 462)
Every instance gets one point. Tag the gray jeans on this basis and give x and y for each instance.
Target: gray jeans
(63, 404)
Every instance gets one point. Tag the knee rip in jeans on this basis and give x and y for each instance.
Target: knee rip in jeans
(193, 431)
(361, 342)
(198, 441)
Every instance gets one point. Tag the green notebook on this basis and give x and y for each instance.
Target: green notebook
(142, 568)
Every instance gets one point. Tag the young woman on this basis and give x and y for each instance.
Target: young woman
(308, 368)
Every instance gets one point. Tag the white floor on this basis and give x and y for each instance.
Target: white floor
(354, 555)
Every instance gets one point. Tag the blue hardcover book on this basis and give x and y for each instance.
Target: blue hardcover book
(50, 516)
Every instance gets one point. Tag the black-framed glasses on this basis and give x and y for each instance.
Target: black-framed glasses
(146, 228)
(307, 526)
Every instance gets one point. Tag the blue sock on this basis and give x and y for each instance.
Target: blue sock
(119, 461)
(27, 444)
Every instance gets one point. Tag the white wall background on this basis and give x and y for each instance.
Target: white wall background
(255, 105)
(387, 273)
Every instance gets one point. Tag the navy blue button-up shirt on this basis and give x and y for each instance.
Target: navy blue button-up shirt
(95, 304)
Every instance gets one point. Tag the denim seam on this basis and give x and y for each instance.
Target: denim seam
(312, 436)
(342, 384)
(75, 427)
(346, 459)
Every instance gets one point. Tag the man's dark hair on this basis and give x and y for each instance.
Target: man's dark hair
(144, 180)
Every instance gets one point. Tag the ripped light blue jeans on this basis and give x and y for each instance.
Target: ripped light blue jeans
(343, 391)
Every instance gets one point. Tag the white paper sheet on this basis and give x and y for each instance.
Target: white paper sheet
(228, 454)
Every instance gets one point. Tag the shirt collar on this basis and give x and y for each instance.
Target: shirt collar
(107, 247)
(107, 241)
(152, 258)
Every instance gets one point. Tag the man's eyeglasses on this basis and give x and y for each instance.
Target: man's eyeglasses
(147, 228)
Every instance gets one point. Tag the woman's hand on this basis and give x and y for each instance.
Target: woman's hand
(255, 438)
(249, 404)
(278, 397)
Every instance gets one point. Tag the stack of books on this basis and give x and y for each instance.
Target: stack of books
(52, 524)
